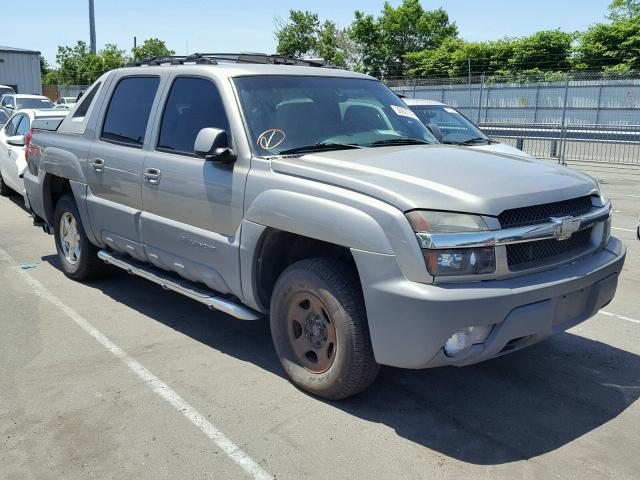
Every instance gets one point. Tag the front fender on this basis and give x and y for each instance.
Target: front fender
(320, 219)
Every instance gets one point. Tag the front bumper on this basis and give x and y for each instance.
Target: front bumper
(410, 322)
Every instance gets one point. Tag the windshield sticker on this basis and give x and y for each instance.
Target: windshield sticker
(404, 112)
(451, 110)
(270, 139)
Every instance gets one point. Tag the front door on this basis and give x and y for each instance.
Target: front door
(192, 207)
(115, 160)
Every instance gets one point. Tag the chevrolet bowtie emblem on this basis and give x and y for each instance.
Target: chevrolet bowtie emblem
(565, 227)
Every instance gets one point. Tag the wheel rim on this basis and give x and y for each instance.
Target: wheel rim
(70, 238)
(311, 332)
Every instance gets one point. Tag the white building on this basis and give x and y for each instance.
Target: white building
(20, 69)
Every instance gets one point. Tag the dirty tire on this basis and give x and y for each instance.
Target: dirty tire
(5, 191)
(87, 264)
(335, 287)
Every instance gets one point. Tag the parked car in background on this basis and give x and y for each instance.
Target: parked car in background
(452, 127)
(66, 102)
(335, 213)
(6, 89)
(14, 140)
(12, 102)
(3, 118)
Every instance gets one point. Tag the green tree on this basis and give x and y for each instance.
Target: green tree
(607, 46)
(385, 41)
(298, 37)
(303, 36)
(152, 47)
(78, 66)
(624, 9)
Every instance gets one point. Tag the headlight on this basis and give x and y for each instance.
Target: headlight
(427, 221)
(454, 261)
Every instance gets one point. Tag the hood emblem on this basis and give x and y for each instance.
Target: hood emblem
(565, 227)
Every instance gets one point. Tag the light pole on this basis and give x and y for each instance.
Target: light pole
(92, 28)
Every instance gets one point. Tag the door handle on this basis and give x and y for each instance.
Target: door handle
(152, 176)
(97, 164)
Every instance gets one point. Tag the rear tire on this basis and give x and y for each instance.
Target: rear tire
(78, 256)
(5, 191)
(319, 328)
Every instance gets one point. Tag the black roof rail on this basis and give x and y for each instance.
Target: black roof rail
(215, 58)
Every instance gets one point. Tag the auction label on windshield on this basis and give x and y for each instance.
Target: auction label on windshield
(451, 110)
(404, 112)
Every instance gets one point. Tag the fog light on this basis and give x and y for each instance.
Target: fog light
(462, 341)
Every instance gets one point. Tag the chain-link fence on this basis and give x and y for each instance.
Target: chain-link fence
(71, 90)
(566, 116)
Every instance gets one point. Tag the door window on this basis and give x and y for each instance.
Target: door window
(10, 129)
(193, 104)
(128, 112)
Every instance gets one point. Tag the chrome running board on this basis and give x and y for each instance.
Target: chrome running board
(179, 286)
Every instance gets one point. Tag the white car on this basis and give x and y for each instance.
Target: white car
(452, 127)
(66, 102)
(14, 139)
(12, 102)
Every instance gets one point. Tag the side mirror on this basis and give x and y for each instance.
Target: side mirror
(10, 107)
(16, 140)
(435, 130)
(213, 144)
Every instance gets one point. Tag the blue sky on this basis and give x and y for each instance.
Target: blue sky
(248, 25)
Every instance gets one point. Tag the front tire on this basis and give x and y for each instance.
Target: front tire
(319, 328)
(78, 256)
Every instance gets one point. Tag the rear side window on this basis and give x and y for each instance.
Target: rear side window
(23, 127)
(128, 112)
(10, 129)
(193, 104)
(85, 102)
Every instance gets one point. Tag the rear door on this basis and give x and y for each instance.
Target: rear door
(114, 169)
(192, 207)
(9, 153)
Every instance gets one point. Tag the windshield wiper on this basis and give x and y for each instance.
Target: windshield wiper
(321, 147)
(400, 141)
(471, 141)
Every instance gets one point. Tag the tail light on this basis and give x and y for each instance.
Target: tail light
(27, 144)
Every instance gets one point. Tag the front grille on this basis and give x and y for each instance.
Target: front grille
(536, 214)
(523, 255)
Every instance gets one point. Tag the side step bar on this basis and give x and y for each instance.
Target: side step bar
(213, 302)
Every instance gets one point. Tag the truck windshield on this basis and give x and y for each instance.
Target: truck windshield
(306, 113)
(455, 127)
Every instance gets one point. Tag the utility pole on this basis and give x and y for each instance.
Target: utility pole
(92, 27)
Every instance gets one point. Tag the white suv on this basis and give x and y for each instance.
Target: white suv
(452, 127)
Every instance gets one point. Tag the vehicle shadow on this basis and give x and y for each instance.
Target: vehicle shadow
(508, 409)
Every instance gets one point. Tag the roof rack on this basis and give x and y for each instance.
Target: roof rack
(216, 58)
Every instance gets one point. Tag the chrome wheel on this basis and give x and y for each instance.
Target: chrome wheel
(311, 333)
(70, 238)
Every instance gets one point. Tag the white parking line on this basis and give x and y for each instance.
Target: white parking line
(623, 195)
(158, 386)
(623, 229)
(609, 314)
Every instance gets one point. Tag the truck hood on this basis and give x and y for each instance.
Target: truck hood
(502, 148)
(441, 177)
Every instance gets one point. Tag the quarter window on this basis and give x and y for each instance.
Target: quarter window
(85, 102)
(193, 104)
(128, 112)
